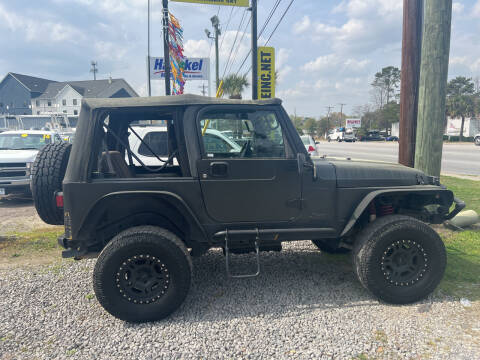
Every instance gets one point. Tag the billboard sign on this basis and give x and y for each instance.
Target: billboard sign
(195, 68)
(266, 72)
(353, 123)
(243, 3)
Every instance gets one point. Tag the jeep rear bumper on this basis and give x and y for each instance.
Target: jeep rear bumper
(72, 250)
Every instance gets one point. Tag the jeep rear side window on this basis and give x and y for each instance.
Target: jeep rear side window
(231, 134)
(157, 141)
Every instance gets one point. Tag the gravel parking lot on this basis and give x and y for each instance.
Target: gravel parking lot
(304, 305)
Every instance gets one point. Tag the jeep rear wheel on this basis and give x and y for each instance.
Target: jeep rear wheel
(399, 259)
(48, 172)
(143, 274)
(328, 247)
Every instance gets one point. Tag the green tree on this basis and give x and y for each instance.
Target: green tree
(461, 99)
(310, 126)
(386, 85)
(234, 85)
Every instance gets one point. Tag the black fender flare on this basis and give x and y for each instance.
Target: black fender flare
(372, 195)
(172, 199)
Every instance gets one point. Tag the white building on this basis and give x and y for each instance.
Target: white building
(470, 129)
(66, 97)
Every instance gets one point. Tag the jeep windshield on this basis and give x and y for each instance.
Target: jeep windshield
(24, 141)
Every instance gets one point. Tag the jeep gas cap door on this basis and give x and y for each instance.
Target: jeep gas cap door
(245, 173)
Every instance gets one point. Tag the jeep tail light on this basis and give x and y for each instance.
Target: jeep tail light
(59, 199)
(311, 148)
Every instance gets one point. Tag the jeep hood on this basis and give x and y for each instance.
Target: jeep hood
(16, 156)
(357, 173)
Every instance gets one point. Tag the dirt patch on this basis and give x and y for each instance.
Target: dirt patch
(19, 215)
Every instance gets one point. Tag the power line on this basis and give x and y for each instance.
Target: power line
(279, 21)
(267, 21)
(226, 27)
(240, 42)
(234, 42)
(275, 29)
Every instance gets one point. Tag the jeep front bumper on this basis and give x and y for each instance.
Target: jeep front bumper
(459, 206)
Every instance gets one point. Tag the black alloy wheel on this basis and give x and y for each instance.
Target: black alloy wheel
(143, 274)
(399, 259)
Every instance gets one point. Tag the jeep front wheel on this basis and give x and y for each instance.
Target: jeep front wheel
(399, 259)
(143, 274)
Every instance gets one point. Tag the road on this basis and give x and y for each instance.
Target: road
(461, 159)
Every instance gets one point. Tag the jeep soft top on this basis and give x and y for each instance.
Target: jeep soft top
(145, 222)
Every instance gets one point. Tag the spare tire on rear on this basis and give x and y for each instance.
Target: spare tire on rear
(48, 172)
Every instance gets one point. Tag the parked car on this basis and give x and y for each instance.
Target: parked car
(391, 138)
(18, 150)
(336, 134)
(156, 138)
(310, 144)
(146, 223)
(372, 136)
(349, 135)
(477, 139)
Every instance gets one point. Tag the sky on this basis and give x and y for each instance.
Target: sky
(327, 52)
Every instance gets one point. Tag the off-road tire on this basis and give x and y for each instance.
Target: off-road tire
(48, 172)
(138, 243)
(327, 247)
(375, 243)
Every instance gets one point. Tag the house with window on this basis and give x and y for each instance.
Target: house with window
(17, 92)
(66, 97)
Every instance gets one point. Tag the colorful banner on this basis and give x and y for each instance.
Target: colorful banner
(177, 59)
(266, 72)
(243, 3)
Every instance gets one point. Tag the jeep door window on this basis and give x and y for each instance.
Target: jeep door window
(251, 134)
(24, 141)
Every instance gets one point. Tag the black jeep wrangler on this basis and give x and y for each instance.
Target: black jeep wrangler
(236, 176)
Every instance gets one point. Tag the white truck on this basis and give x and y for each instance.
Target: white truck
(18, 150)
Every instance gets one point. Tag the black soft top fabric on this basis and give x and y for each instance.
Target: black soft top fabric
(169, 101)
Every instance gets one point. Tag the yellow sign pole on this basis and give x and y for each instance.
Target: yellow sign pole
(242, 3)
(219, 94)
(266, 72)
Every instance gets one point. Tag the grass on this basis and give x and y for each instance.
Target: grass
(29, 247)
(462, 277)
(466, 190)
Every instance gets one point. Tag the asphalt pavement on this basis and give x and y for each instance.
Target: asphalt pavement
(461, 159)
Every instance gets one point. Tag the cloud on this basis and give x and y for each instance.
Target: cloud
(458, 7)
(197, 48)
(302, 26)
(34, 30)
(476, 9)
(333, 63)
(368, 24)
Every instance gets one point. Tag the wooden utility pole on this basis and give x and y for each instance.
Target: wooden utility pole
(166, 47)
(411, 56)
(433, 85)
(254, 51)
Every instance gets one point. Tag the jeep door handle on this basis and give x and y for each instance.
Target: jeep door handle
(219, 169)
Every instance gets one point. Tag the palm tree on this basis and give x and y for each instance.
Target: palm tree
(234, 85)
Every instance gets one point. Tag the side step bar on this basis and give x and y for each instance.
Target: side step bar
(257, 256)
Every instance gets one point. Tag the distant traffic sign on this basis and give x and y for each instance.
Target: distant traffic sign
(266, 72)
(244, 3)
